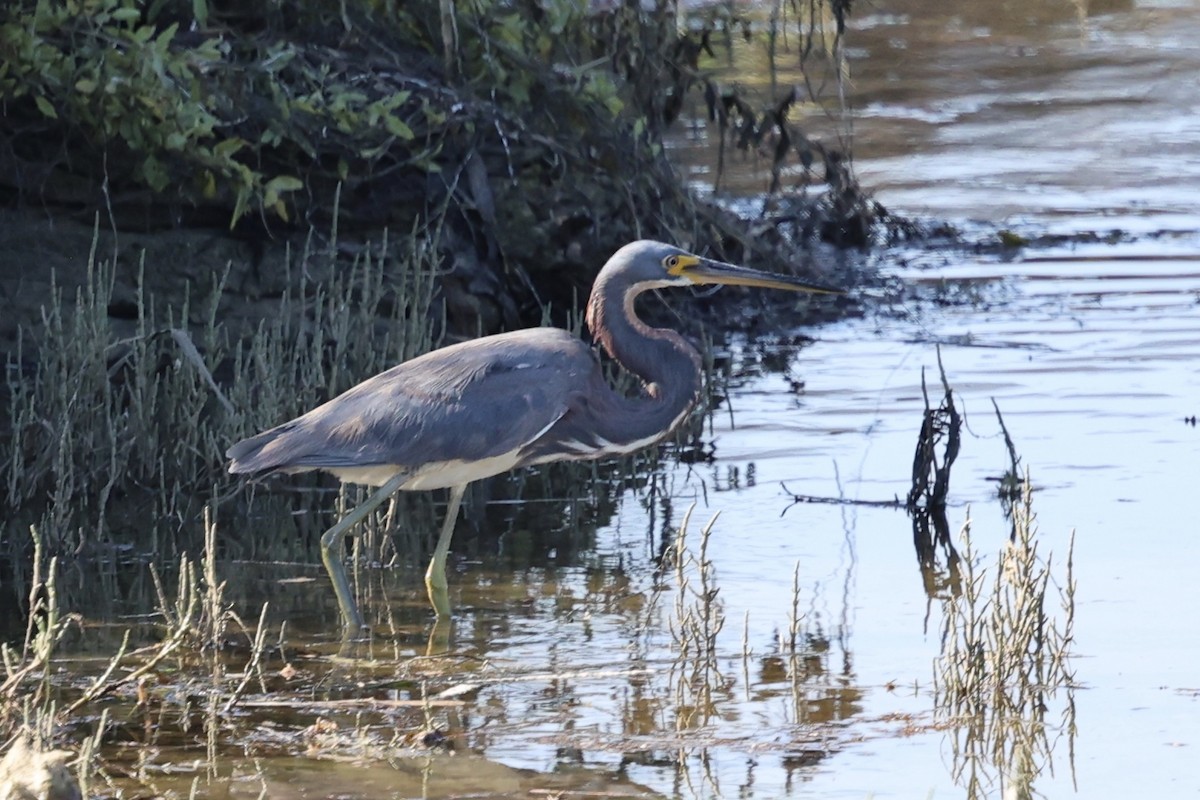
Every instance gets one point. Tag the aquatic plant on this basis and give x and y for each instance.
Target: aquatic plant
(189, 630)
(1006, 654)
(105, 426)
(696, 620)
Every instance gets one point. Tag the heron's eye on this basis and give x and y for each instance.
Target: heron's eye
(671, 262)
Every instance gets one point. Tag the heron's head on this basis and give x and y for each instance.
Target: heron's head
(649, 264)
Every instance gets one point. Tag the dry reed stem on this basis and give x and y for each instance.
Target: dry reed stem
(1005, 655)
(697, 620)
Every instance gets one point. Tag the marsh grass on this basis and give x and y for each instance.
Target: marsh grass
(189, 630)
(694, 620)
(110, 427)
(1007, 645)
(697, 618)
(114, 449)
(693, 666)
(45, 629)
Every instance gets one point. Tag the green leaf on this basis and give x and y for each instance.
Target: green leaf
(45, 107)
(225, 150)
(396, 127)
(519, 91)
(155, 174)
(200, 12)
(239, 208)
(126, 14)
(434, 117)
(208, 185)
(283, 183)
(210, 50)
(164, 38)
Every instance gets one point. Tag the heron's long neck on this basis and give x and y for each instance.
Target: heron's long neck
(669, 367)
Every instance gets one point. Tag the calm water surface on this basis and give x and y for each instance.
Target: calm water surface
(1037, 120)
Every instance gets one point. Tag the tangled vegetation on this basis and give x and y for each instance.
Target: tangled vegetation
(535, 127)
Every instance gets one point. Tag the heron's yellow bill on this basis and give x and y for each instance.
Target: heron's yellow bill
(706, 271)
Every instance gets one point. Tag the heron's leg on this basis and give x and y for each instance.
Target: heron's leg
(331, 550)
(435, 576)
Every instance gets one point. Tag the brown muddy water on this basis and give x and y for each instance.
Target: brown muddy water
(562, 672)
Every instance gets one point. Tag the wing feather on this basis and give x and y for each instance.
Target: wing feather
(466, 402)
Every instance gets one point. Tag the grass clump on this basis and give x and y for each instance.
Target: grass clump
(110, 426)
(697, 619)
(188, 634)
(1006, 654)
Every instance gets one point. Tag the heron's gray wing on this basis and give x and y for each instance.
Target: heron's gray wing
(470, 401)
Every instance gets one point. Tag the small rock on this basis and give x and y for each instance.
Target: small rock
(29, 773)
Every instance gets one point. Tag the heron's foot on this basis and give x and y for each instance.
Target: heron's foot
(438, 589)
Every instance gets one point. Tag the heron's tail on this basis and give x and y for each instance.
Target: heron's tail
(261, 453)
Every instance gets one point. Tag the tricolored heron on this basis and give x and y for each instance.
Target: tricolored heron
(482, 407)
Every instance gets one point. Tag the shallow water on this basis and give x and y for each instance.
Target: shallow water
(1037, 123)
